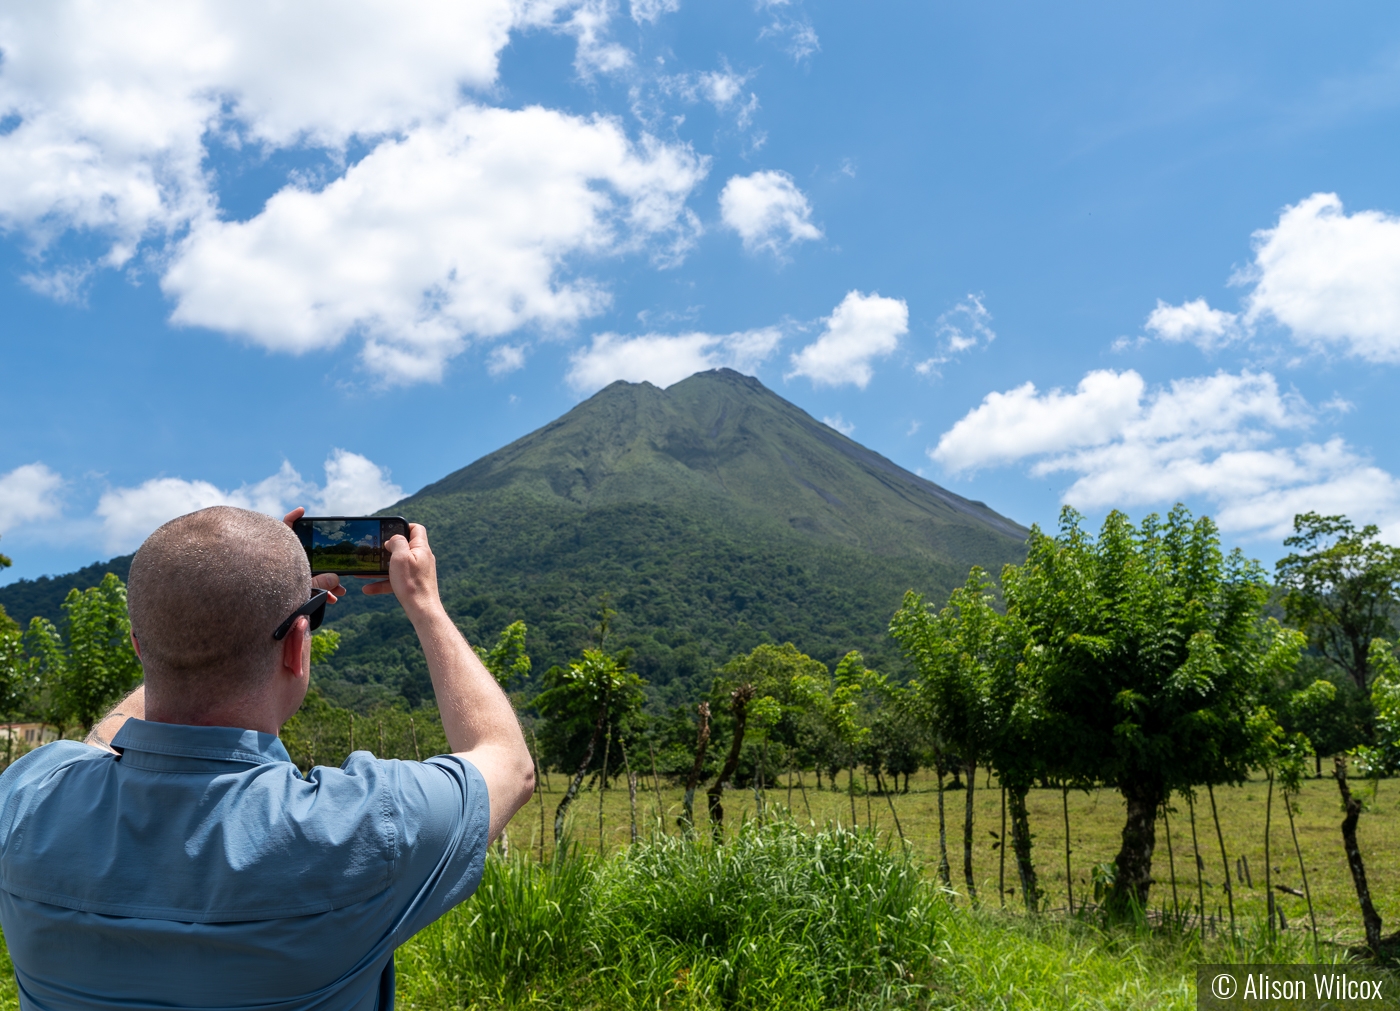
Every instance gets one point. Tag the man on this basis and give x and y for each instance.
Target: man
(177, 858)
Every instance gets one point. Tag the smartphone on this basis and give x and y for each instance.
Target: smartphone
(348, 545)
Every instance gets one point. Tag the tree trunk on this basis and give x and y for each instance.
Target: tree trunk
(702, 741)
(1069, 874)
(1001, 852)
(739, 706)
(1268, 859)
(1200, 864)
(631, 791)
(1369, 917)
(1021, 844)
(1133, 878)
(1302, 867)
(1171, 861)
(577, 781)
(603, 786)
(945, 874)
(1224, 858)
(967, 831)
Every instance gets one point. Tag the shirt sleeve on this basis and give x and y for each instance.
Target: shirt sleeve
(19, 782)
(442, 814)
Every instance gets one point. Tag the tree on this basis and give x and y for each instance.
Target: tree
(596, 693)
(761, 687)
(1149, 647)
(1342, 588)
(973, 687)
(507, 660)
(91, 663)
(5, 562)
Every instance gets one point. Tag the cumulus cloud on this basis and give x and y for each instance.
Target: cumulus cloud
(1330, 279)
(354, 486)
(454, 231)
(793, 32)
(859, 330)
(28, 493)
(1196, 323)
(458, 225)
(1214, 438)
(505, 358)
(965, 326)
(768, 211)
(664, 359)
(839, 423)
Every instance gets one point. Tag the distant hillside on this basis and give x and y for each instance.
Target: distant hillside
(714, 514)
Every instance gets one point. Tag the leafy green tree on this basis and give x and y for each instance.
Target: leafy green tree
(91, 663)
(761, 688)
(5, 562)
(578, 704)
(972, 685)
(508, 661)
(1149, 648)
(324, 644)
(1342, 588)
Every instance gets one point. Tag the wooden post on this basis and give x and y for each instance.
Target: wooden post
(1001, 845)
(1171, 861)
(1200, 864)
(1287, 806)
(1224, 859)
(1268, 861)
(603, 786)
(631, 790)
(1069, 874)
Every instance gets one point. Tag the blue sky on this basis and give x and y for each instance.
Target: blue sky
(1099, 254)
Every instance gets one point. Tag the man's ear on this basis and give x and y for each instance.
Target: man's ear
(294, 647)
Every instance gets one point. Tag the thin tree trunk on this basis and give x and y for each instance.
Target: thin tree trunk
(656, 779)
(1171, 861)
(739, 704)
(1287, 806)
(702, 741)
(1268, 860)
(1200, 864)
(967, 831)
(789, 782)
(851, 791)
(577, 780)
(1069, 874)
(352, 733)
(1224, 860)
(631, 792)
(603, 786)
(1021, 846)
(539, 790)
(803, 787)
(1001, 847)
(869, 818)
(895, 815)
(418, 755)
(945, 874)
(1369, 917)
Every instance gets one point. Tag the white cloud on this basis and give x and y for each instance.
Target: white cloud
(354, 486)
(665, 359)
(115, 101)
(795, 34)
(962, 328)
(588, 22)
(650, 11)
(1333, 279)
(1213, 438)
(768, 211)
(1023, 422)
(1194, 322)
(860, 329)
(454, 231)
(28, 493)
(1330, 279)
(839, 423)
(505, 358)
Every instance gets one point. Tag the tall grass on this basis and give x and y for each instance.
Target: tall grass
(775, 918)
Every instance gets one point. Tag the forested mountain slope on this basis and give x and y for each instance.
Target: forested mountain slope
(713, 514)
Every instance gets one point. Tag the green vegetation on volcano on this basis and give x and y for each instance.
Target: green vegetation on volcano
(713, 514)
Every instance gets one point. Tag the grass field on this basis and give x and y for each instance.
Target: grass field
(801, 914)
(1096, 819)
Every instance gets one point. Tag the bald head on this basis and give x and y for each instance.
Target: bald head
(205, 593)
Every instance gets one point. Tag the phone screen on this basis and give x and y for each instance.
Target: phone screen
(348, 545)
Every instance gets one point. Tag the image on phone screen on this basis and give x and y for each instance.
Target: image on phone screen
(346, 546)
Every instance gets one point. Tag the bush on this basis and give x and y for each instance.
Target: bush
(777, 917)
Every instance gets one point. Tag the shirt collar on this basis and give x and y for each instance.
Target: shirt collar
(227, 744)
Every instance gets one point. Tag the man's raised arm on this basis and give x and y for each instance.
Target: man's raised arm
(476, 715)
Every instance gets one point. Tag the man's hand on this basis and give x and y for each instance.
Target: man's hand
(412, 575)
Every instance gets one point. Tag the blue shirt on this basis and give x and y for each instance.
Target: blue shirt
(199, 869)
